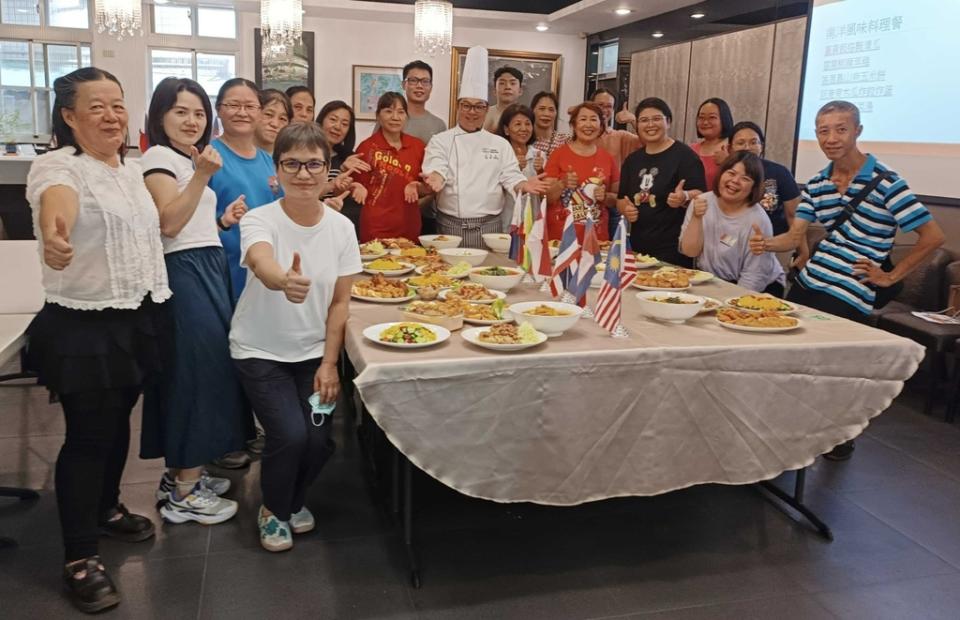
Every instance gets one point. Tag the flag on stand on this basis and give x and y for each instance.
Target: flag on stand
(537, 245)
(517, 232)
(143, 143)
(586, 265)
(567, 256)
(620, 272)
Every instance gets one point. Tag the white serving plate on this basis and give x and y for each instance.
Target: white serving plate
(390, 272)
(384, 300)
(768, 330)
(549, 325)
(792, 310)
(499, 294)
(373, 332)
(419, 271)
(432, 241)
(472, 336)
(643, 287)
(707, 308)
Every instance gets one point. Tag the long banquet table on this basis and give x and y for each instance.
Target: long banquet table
(586, 416)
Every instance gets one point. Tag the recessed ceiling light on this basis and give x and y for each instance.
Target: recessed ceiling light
(698, 15)
(542, 27)
(623, 11)
(657, 34)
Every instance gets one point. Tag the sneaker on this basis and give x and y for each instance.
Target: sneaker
(202, 506)
(128, 527)
(89, 585)
(274, 533)
(255, 446)
(168, 485)
(302, 521)
(843, 452)
(234, 460)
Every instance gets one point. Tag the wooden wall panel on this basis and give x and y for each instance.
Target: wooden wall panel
(662, 72)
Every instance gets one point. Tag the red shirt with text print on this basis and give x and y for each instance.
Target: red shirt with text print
(385, 213)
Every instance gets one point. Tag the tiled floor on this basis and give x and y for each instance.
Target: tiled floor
(708, 552)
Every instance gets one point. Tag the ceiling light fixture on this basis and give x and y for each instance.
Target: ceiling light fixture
(281, 22)
(697, 15)
(657, 34)
(433, 26)
(623, 12)
(120, 18)
(542, 27)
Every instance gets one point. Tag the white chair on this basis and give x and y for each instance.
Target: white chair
(21, 297)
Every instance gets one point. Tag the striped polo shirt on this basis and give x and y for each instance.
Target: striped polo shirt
(868, 233)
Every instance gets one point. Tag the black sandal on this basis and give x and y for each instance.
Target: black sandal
(95, 590)
(129, 527)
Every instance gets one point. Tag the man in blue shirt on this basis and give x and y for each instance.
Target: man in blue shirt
(844, 272)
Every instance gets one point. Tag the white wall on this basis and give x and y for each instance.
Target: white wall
(340, 44)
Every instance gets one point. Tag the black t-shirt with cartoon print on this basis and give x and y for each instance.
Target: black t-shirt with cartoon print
(647, 180)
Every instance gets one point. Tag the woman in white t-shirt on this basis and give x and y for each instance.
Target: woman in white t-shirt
(195, 413)
(288, 328)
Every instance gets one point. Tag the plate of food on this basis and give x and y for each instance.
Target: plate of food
(645, 261)
(439, 242)
(472, 292)
(380, 290)
(658, 281)
(761, 303)
(694, 275)
(765, 321)
(372, 250)
(406, 334)
(496, 277)
(504, 337)
(433, 280)
(484, 314)
(552, 318)
(387, 267)
(458, 271)
(710, 305)
(447, 314)
(395, 244)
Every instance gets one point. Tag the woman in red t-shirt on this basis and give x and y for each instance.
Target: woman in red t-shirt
(393, 188)
(588, 176)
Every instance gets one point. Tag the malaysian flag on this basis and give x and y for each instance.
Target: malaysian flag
(566, 263)
(620, 272)
(587, 264)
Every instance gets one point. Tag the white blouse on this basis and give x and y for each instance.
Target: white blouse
(117, 253)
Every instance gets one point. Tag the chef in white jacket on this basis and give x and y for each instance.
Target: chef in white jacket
(470, 169)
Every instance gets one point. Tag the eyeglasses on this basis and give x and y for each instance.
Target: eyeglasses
(236, 107)
(651, 120)
(708, 117)
(739, 144)
(473, 107)
(418, 81)
(313, 166)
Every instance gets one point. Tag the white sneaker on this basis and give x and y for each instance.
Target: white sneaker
(302, 522)
(202, 506)
(274, 533)
(168, 485)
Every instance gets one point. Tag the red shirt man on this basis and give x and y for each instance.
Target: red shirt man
(385, 213)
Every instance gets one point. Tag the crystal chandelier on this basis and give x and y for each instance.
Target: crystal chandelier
(120, 18)
(281, 24)
(433, 26)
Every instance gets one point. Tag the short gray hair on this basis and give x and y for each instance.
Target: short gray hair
(840, 106)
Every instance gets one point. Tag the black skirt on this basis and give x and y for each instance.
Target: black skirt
(89, 350)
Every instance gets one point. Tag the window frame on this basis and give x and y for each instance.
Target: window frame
(193, 66)
(194, 21)
(34, 89)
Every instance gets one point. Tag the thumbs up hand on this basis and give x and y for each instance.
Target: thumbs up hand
(57, 251)
(571, 180)
(295, 284)
(625, 116)
(234, 211)
(699, 206)
(721, 154)
(758, 245)
(678, 197)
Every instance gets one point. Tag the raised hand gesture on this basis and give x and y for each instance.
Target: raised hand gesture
(758, 245)
(295, 284)
(234, 211)
(57, 251)
(678, 197)
(206, 163)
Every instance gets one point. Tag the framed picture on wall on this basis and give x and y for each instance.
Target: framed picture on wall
(541, 71)
(369, 83)
(281, 70)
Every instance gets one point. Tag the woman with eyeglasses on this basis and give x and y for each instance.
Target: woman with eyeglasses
(338, 123)
(195, 412)
(276, 112)
(393, 185)
(655, 184)
(718, 224)
(714, 127)
(247, 178)
(288, 328)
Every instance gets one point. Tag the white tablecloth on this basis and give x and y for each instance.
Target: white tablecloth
(586, 416)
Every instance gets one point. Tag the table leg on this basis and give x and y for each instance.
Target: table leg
(408, 524)
(795, 501)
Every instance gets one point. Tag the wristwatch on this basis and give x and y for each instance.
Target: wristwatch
(221, 226)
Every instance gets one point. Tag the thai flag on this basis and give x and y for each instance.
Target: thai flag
(567, 258)
(587, 266)
(538, 247)
(620, 272)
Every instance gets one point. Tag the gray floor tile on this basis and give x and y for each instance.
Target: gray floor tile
(781, 608)
(931, 598)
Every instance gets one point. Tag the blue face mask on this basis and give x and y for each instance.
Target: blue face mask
(319, 410)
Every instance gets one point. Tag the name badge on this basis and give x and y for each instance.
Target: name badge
(490, 154)
(728, 240)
